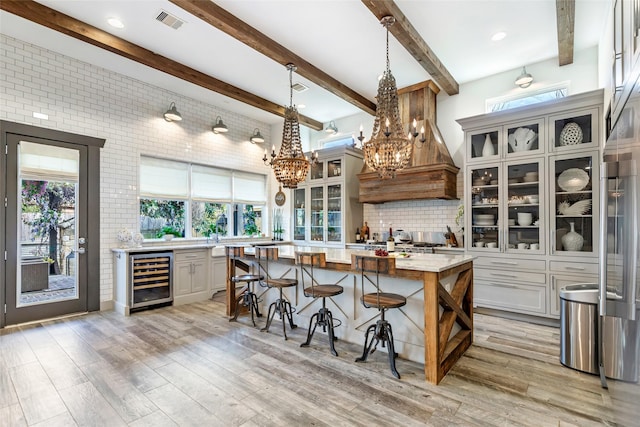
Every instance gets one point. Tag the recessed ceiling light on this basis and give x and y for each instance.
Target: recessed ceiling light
(301, 106)
(498, 36)
(115, 22)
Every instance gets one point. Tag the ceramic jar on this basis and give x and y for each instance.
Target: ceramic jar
(572, 241)
(124, 237)
(488, 149)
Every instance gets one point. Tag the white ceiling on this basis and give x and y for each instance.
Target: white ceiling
(341, 37)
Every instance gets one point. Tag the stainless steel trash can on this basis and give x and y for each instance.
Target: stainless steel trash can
(579, 327)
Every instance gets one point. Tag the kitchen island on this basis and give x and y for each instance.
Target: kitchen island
(434, 328)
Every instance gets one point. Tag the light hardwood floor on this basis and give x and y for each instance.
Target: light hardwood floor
(189, 366)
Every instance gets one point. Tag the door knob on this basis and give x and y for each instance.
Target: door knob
(80, 250)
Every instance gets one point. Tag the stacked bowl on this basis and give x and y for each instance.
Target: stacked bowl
(525, 218)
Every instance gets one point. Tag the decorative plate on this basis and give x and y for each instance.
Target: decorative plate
(571, 134)
(572, 180)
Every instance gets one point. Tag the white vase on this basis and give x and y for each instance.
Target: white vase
(572, 241)
(488, 149)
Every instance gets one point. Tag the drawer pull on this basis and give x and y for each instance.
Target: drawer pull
(513, 276)
(505, 286)
(504, 263)
(574, 268)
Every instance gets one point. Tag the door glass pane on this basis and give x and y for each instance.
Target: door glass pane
(317, 213)
(485, 204)
(523, 220)
(334, 213)
(334, 168)
(317, 170)
(574, 204)
(298, 208)
(47, 244)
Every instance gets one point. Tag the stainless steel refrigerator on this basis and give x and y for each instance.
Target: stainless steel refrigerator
(619, 293)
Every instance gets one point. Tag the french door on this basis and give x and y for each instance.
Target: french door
(46, 228)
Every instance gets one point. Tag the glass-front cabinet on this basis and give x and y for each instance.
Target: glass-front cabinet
(506, 207)
(325, 206)
(577, 130)
(574, 198)
(531, 202)
(485, 207)
(334, 213)
(299, 217)
(525, 207)
(317, 213)
(517, 139)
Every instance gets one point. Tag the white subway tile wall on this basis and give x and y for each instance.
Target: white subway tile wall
(415, 215)
(88, 100)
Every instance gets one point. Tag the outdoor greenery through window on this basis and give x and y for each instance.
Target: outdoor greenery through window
(190, 200)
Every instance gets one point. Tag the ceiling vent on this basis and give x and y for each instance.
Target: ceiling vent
(299, 87)
(169, 20)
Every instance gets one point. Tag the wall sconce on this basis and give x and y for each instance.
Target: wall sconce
(525, 79)
(331, 129)
(172, 114)
(256, 138)
(220, 127)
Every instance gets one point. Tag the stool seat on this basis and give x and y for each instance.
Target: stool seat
(383, 300)
(247, 278)
(281, 283)
(323, 291)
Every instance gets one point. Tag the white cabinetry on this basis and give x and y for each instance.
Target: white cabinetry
(218, 273)
(531, 176)
(325, 207)
(191, 276)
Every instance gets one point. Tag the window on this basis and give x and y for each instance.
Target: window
(198, 200)
(546, 94)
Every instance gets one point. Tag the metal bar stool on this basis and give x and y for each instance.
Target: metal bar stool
(307, 261)
(370, 268)
(247, 297)
(264, 255)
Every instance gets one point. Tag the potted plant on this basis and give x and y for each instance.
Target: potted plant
(168, 232)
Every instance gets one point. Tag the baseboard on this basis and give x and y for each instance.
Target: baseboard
(106, 305)
(544, 321)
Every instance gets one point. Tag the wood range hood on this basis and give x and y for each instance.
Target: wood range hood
(431, 173)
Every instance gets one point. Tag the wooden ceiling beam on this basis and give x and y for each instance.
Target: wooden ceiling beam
(50, 18)
(224, 21)
(408, 37)
(565, 17)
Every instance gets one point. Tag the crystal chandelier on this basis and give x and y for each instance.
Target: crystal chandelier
(388, 150)
(290, 165)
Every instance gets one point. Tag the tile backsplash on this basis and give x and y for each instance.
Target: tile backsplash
(415, 215)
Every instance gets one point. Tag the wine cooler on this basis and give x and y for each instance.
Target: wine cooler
(151, 279)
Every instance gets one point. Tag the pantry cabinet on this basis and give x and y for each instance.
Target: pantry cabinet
(326, 209)
(531, 201)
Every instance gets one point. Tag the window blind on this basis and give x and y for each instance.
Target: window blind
(163, 178)
(211, 184)
(249, 188)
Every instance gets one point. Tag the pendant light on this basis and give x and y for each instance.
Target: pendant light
(290, 165)
(389, 149)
